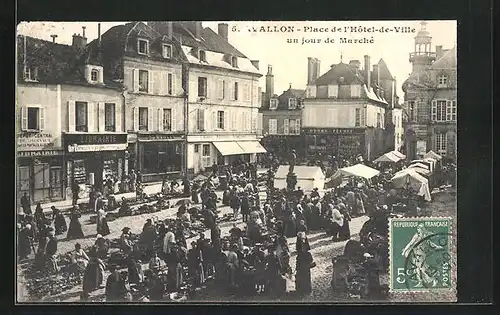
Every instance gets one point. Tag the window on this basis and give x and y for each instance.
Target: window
(220, 119)
(143, 118)
(292, 126)
(379, 120)
(356, 90)
(273, 126)
(292, 103)
(94, 75)
(234, 62)
(161, 157)
(357, 121)
(297, 126)
(451, 111)
(286, 126)
(201, 120)
(205, 155)
(109, 117)
(441, 143)
(81, 117)
(143, 81)
(170, 84)
(442, 80)
(167, 119)
(196, 148)
(33, 118)
(438, 112)
(221, 89)
(235, 91)
(31, 74)
(203, 55)
(143, 46)
(273, 103)
(412, 111)
(167, 51)
(202, 87)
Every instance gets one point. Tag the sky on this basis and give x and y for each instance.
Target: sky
(289, 60)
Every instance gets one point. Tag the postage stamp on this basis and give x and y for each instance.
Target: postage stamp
(420, 254)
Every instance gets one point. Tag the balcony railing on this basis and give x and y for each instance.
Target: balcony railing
(427, 54)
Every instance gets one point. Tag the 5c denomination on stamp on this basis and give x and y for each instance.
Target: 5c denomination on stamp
(420, 254)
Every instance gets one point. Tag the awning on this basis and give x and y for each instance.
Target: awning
(388, 157)
(252, 147)
(399, 154)
(229, 148)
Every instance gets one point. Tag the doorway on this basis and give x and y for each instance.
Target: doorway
(94, 165)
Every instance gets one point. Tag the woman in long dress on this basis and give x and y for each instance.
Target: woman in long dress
(75, 227)
(94, 274)
(344, 231)
(80, 259)
(60, 225)
(102, 223)
(303, 276)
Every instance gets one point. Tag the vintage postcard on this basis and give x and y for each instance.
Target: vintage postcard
(169, 161)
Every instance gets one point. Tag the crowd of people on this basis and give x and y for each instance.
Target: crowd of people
(250, 260)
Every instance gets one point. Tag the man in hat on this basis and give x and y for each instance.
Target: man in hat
(315, 193)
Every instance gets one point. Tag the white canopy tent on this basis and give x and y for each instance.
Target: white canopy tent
(358, 170)
(388, 157)
(433, 155)
(430, 163)
(399, 154)
(421, 170)
(413, 180)
(308, 177)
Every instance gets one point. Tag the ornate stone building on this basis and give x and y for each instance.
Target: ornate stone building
(431, 99)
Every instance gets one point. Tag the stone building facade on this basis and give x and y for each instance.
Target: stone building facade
(431, 100)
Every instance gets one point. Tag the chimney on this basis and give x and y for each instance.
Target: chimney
(376, 73)
(223, 30)
(439, 51)
(368, 74)
(170, 29)
(79, 41)
(83, 31)
(99, 33)
(316, 72)
(198, 28)
(269, 82)
(355, 64)
(310, 66)
(54, 36)
(255, 63)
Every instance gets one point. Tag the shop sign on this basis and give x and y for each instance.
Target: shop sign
(38, 153)
(34, 141)
(90, 139)
(339, 131)
(160, 137)
(96, 147)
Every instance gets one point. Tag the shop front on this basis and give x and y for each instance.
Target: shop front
(90, 158)
(345, 142)
(39, 167)
(159, 156)
(237, 152)
(282, 145)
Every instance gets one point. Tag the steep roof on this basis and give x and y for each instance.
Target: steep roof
(337, 71)
(288, 94)
(447, 61)
(53, 62)
(384, 70)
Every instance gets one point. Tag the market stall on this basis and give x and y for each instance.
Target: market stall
(308, 177)
(409, 178)
(390, 157)
(358, 170)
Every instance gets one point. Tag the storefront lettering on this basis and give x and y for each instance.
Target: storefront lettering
(35, 141)
(159, 137)
(90, 139)
(96, 147)
(38, 153)
(332, 130)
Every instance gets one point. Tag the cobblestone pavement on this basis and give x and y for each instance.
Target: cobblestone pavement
(322, 250)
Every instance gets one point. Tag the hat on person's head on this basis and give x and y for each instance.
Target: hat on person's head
(385, 207)
(53, 207)
(341, 206)
(28, 226)
(126, 229)
(99, 236)
(367, 255)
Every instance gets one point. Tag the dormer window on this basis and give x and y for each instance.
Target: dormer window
(234, 62)
(273, 103)
(94, 75)
(203, 55)
(143, 46)
(31, 74)
(167, 51)
(442, 80)
(292, 103)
